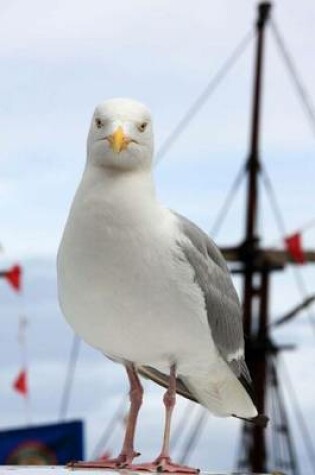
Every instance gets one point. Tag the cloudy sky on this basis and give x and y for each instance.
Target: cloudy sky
(59, 59)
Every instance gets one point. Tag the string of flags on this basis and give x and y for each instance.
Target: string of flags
(14, 278)
(49, 444)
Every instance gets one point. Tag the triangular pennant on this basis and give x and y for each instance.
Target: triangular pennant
(13, 276)
(20, 383)
(295, 248)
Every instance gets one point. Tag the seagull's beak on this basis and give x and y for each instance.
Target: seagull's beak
(118, 141)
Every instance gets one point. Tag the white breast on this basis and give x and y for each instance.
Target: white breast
(123, 285)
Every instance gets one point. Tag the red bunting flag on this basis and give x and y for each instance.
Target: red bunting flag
(13, 276)
(20, 383)
(295, 248)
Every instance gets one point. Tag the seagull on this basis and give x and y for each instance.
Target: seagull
(146, 286)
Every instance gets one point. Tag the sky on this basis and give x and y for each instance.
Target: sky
(59, 59)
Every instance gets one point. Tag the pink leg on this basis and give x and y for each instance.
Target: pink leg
(164, 462)
(127, 453)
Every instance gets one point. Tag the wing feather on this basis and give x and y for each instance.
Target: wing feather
(222, 304)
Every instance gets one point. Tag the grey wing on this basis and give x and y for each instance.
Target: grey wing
(221, 300)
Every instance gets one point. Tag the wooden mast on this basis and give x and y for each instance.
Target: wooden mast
(256, 266)
(256, 357)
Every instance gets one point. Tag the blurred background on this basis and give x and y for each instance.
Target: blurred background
(59, 59)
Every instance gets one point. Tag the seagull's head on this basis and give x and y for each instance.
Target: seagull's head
(120, 136)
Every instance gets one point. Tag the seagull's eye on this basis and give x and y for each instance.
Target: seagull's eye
(142, 126)
(98, 122)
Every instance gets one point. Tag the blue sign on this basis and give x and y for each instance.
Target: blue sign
(53, 444)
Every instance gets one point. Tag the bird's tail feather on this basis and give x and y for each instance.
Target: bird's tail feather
(223, 398)
(189, 387)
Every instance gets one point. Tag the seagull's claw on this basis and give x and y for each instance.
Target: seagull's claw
(165, 465)
(123, 461)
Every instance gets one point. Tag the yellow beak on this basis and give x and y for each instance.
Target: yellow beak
(118, 140)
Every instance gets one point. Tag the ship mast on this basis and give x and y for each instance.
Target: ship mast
(251, 241)
(255, 265)
(252, 291)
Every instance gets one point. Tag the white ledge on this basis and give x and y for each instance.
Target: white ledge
(61, 470)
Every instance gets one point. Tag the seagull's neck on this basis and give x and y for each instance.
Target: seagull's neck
(123, 191)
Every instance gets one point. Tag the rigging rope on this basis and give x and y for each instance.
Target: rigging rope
(74, 354)
(102, 443)
(275, 447)
(287, 446)
(182, 423)
(273, 202)
(227, 203)
(304, 431)
(195, 434)
(302, 229)
(292, 69)
(307, 226)
(204, 96)
(299, 280)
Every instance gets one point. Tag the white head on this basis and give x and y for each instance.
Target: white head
(120, 136)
